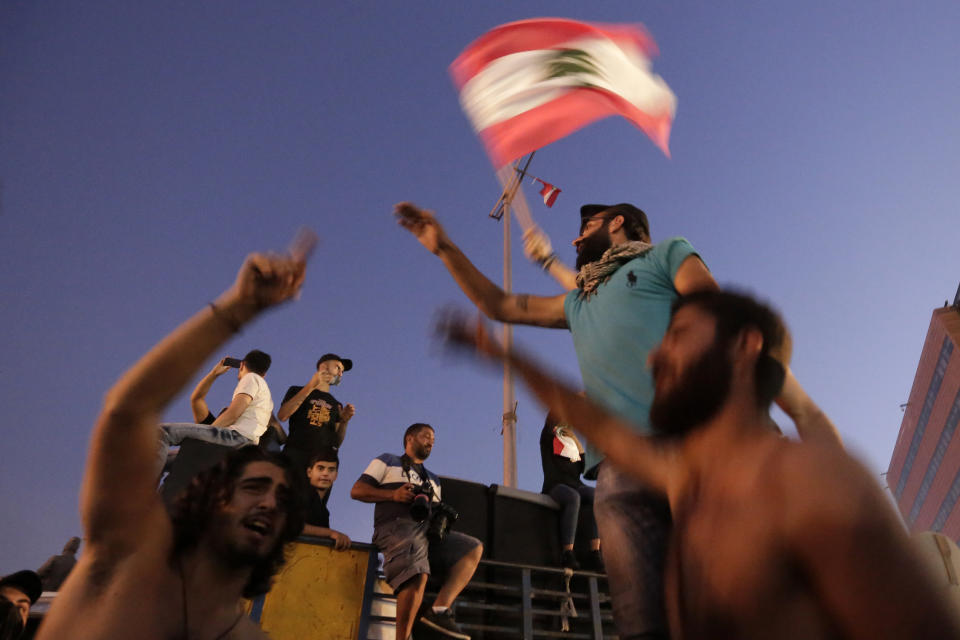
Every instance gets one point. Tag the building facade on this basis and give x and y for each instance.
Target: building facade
(924, 471)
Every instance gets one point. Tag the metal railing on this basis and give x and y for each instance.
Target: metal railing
(511, 600)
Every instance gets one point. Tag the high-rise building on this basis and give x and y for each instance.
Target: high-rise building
(924, 471)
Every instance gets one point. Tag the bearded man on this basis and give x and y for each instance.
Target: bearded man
(770, 538)
(617, 314)
(410, 555)
(149, 575)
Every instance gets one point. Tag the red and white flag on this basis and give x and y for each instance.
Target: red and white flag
(549, 193)
(526, 84)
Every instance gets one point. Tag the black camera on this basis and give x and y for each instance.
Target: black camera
(440, 514)
(443, 518)
(420, 507)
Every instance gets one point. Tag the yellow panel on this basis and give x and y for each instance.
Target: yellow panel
(318, 594)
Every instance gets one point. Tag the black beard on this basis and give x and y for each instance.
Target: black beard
(236, 556)
(422, 452)
(593, 247)
(696, 396)
(228, 549)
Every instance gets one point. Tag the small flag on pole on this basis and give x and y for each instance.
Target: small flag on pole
(549, 193)
(526, 84)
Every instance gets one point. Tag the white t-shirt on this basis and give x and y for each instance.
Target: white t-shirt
(253, 422)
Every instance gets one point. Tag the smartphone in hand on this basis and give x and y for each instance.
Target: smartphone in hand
(232, 363)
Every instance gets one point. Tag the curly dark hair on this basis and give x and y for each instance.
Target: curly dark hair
(195, 506)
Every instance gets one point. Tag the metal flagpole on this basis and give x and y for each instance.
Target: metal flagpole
(509, 405)
(512, 199)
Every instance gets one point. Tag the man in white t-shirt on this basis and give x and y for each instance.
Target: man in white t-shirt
(242, 423)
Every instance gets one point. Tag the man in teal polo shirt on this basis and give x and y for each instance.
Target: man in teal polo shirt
(617, 314)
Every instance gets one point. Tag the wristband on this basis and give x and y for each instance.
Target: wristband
(549, 260)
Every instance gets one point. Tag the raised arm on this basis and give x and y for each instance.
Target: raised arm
(489, 298)
(291, 404)
(812, 423)
(118, 502)
(537, 248)
(198, 402)
(639, 456)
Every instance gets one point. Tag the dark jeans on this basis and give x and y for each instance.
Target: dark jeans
(570, 498)
(635, 529)
(173, 433)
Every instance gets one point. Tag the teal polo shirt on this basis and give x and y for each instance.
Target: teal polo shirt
(616, 328)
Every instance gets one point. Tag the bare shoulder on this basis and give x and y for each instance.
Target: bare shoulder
(821, 465)
(826, 490)
(108, 591)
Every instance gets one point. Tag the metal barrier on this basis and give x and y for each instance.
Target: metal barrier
(512, 600)
(320, 593)
(341, 595)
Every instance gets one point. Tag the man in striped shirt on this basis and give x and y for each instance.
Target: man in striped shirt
(393, 482)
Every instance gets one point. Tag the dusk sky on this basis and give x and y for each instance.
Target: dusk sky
(147, 147)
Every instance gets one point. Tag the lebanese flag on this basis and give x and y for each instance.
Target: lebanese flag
(549, 193)
(526, 84)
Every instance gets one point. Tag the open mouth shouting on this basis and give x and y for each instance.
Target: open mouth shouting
(260, 525)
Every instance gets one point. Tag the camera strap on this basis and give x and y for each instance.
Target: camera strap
(419, 467)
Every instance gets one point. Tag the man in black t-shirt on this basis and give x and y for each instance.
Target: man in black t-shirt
(321, 474)
(317, 419)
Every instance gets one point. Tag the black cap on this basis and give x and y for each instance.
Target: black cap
(346, 362)
(26, 581)
(635, 217)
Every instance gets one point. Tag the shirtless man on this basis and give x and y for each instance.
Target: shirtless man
(771, 538)
(144, 575)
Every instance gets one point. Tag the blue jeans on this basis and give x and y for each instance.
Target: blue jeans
(635, 529)
(569, 498)
(173, 433)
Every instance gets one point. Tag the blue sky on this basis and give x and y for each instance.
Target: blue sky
(145, 148)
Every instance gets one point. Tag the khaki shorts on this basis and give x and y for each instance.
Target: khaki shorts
(407, 552)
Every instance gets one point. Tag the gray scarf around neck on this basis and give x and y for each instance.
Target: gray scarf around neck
(596, 273)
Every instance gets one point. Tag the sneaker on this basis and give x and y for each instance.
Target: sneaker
(596, 561)
(444, 624)
(569, 559)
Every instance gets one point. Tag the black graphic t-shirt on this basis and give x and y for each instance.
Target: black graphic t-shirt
(313, 424)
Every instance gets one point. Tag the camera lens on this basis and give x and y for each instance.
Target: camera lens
(420, 507)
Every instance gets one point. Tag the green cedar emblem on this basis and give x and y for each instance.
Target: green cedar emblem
(572, 62)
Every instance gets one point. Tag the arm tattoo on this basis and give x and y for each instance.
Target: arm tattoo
(522, 301)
